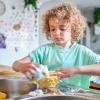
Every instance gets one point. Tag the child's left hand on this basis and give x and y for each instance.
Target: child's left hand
(66, 72)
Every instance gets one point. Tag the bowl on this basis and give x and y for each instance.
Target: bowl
(48, 82)
(60, 98)
(15, 86)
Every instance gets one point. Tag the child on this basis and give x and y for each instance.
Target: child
(64, 25)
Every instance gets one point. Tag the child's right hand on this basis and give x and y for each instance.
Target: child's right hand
(26, 67)
(30, 69)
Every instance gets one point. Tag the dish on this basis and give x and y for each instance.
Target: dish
(50, 81)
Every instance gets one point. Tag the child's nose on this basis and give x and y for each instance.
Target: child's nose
(57, 32)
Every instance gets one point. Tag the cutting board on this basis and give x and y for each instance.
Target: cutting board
(7, 70)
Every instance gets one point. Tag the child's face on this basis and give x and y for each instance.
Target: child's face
(60, 31)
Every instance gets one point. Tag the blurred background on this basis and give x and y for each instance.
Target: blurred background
(21, 26)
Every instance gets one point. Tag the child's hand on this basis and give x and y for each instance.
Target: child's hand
(67, 72)
(27, 68)
(24, 67)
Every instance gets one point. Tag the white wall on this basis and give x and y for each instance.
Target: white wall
(94, 39)
(18, 42)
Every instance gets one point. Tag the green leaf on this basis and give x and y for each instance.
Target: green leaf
(96, 15)
(30, 2)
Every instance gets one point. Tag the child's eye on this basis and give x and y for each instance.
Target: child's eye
(62, 29)
(52, 29)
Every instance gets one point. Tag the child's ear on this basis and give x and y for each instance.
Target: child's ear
(73, 35)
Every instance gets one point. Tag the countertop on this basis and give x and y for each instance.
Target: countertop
(7, 70)
(68, 89)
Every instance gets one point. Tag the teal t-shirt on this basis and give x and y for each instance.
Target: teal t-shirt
(56, 57)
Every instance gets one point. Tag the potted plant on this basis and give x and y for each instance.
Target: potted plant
(30, 2)
(97, 16)
(97, 21)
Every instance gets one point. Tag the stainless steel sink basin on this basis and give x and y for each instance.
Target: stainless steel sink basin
(59, 98)
(13, 86)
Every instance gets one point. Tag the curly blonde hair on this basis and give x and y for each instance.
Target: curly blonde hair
(71, 14)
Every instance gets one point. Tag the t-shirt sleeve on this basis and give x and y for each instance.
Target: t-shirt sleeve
(36, 56)
(92, 57)
(95, 58)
